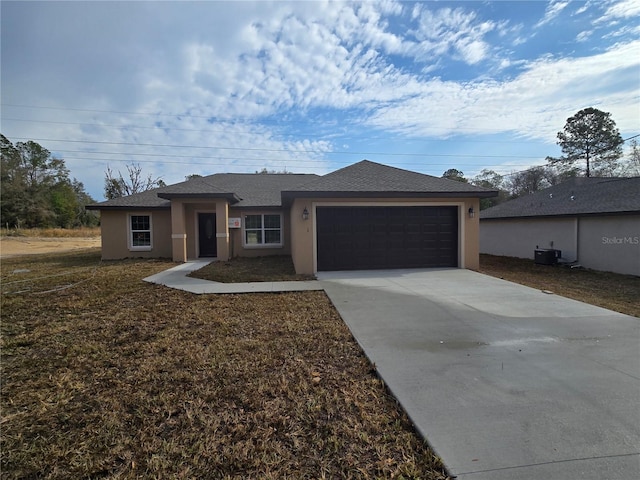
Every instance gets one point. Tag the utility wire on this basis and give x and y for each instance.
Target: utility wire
(160, 127)
(273, 150)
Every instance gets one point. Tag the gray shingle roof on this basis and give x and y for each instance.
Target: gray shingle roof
(242, 189)
(144, 200)
(578, 196)
(250, 189)
(376, 179)
(363, 179)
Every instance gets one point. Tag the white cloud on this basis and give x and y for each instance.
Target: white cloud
(584, 36)
(552, 11)
(530, 105)
(623, 9)
(451, 30)
(276, 83)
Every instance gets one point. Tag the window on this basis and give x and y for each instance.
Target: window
(263, 230)
(139, 232)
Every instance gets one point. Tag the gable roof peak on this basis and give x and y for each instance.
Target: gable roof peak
(374, 178)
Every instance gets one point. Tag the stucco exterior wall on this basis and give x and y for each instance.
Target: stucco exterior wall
(607, 243)
(520, 237)
(237, 247)
(175, 231)
(303, 247)
(115, 234)
(610, 243)
(191, 211)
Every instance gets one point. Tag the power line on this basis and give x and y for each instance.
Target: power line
(173, 129)
(275, 150)
(285, 162)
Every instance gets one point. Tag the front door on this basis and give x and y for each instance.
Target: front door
(207, 235)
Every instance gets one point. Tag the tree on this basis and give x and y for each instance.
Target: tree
(454, 174)
(136, 182)
(266, 171)
(36, 189)
(530, 181)
(631, 165)
(590, 136)
(493, 181)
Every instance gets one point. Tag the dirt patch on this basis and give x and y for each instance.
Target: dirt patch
(15, 246)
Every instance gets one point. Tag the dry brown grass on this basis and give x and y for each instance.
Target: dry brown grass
(105, 376)
(274, 268)
(51, 232)
(616, 292)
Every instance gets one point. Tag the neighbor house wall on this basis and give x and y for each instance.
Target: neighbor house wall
(303, 247)
(115, 234)
(521, 237)
(610, 243)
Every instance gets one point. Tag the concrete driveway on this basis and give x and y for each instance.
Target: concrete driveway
(504, 381)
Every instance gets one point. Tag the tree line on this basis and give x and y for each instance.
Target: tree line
(591, 145)
(37, 190)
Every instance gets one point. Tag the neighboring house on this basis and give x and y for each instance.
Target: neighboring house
(592, 221)
(364, 216)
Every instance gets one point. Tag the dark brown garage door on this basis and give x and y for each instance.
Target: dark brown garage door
(366, 238)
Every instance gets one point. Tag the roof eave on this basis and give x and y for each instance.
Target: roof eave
(127, 207)
(289, 195)
(232, 197)
(562, 215)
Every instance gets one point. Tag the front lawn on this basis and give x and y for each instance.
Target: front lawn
(105, 376)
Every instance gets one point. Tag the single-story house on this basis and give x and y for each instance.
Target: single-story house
(594, 222)
(364, 216)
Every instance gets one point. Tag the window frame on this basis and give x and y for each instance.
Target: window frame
(131, 232)
(262, 231)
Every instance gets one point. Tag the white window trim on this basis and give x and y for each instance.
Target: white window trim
(262, 245)
(130, 232)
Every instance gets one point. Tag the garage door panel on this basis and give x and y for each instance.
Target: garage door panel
(386, 237)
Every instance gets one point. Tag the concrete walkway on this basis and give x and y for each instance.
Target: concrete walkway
(176, 277)
(504, 381)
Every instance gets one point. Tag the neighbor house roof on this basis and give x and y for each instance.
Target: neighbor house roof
(363, 179)
(370, 179)
(577, 196)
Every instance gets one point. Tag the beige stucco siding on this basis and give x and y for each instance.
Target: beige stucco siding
(175, 231)
(191, 211)
(238, 249)
(607, 243)
(184, 218)
(115, 234)
(303, 243)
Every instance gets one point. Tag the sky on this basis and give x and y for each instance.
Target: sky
(205, 87)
